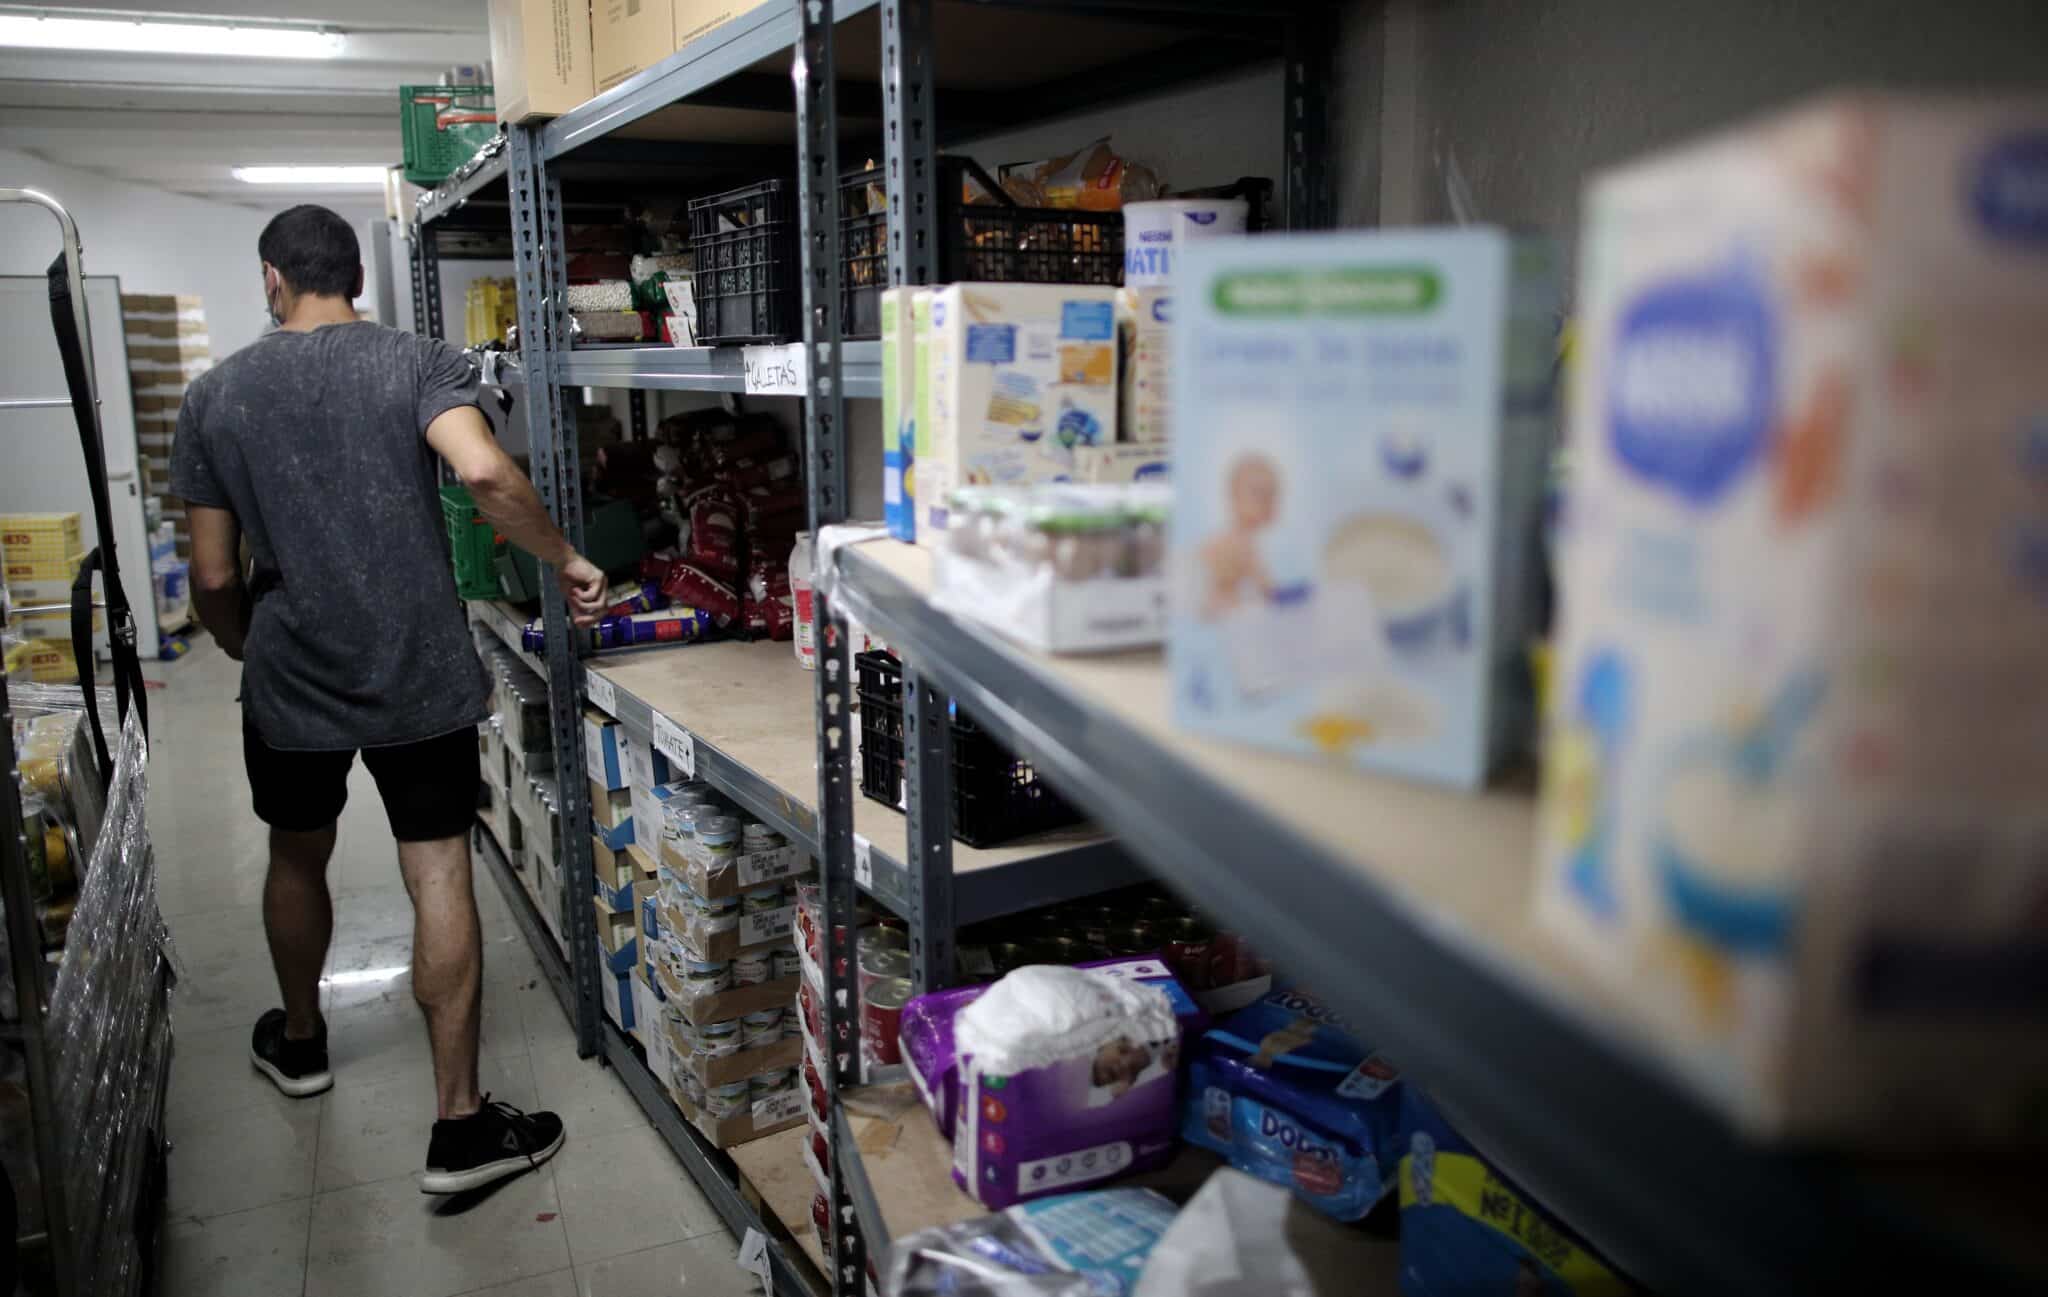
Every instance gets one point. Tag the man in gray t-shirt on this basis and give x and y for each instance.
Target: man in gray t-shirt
(317, 445)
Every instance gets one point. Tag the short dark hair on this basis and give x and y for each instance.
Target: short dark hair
(314, 249)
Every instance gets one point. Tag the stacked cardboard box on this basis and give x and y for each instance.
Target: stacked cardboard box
(42, 553)
(167, 349)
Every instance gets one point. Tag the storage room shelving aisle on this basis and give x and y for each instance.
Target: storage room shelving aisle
(272, 1196)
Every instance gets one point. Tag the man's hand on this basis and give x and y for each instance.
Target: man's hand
(583, 586)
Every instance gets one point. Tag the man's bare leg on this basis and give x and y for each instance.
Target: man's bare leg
(298, 921)
(447, 965)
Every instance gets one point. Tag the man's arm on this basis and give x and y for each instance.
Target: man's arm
(217, 586)
(509, 502)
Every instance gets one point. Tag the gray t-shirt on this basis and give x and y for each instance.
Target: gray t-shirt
(315, 442)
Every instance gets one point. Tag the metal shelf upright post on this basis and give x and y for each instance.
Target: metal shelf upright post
(814, 74)
(540, 263)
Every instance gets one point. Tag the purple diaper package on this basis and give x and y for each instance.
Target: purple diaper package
(926, 1035)
(1066, 1080)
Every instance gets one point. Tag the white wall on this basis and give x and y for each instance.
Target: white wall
(154, 240)
(1529, 97)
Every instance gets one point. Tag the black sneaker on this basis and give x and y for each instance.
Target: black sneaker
(297, 1067)
(495, 1141)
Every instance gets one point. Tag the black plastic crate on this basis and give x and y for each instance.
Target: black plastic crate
(997, 796)
(997, 242)
(748, 281)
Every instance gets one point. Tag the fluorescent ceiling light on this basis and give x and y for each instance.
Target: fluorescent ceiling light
(147, 36)
(368, 175)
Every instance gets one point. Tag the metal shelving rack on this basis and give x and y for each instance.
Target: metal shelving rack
(743, 65)
(1533, 1061)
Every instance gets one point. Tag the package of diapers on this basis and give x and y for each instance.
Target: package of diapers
(1066, 1080)
(1285, 1094)
(926, 1035)
(1466, 1228)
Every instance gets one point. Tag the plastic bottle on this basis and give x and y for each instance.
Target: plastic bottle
(806, 638)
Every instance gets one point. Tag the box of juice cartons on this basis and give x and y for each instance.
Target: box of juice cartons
(1793, 804)
(1361, 425)
(1021, 375)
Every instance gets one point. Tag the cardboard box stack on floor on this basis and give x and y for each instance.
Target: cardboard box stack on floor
(167, 349)
(42, 552)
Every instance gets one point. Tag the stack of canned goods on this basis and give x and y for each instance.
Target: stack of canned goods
(1135, 921)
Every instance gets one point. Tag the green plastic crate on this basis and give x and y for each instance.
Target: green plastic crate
(442, 126)
(473, 542)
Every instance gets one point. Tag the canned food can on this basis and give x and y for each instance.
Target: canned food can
(881, 1017)
(718, 1039)
(788, 963)
(760, 900)
(875, 938)
(728, 1100)
(1187, 949)
(751, 968)
(1133, 939)
(756, 836)
(781, 1080)
(881, 966)
(1232, 960)
(762, 1027)
(706, 976)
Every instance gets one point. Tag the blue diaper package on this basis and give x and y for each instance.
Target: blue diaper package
(1282, 1091)
(1468, 1230)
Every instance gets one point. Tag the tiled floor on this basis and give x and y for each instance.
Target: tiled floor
(272, 1196)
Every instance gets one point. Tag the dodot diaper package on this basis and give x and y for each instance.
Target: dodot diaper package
(1793, 802)
(1285, 1094)
(1466, 1228)
(1021, 375)
(1066, 1080)
(1361, 424)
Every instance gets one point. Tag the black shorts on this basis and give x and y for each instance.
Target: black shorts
(429, 787)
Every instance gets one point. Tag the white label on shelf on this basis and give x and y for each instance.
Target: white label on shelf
(766, 925)
(863, 861)
(602, 695)
(675, 743)
(778, 1108)
(775, 371)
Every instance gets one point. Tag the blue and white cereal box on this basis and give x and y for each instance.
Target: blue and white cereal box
(1794, 804)
(1021, 376)
(1361, 424)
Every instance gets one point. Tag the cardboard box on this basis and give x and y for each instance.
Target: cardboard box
(612, 869)
(1021, 375)
(620, 900)
(40, 537)
(647, 1020)
(766, 1117)
(617, 929)
(628, 36)
(606, 746)
(1123, 462)
(24, 592)
(48, 664)
(540, 57)
(787, 1052)
(1794, 743)
(694, 18)
(776, 993)
(767, 929)
(643, 865)
(1360, 585)
(611, 815)
(617, 991)
(749, 869)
